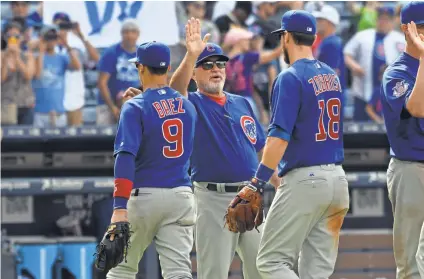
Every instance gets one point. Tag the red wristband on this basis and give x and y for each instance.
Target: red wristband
(123, 188)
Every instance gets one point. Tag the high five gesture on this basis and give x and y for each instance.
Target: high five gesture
(194, 43)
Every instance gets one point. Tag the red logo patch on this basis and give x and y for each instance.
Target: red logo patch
(249, 128)
(210, 48)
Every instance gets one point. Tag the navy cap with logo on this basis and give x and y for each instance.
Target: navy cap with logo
(62, 16)
(298, 21)
(209, 51)
(413, 11)
(153, 54)
(386, 10)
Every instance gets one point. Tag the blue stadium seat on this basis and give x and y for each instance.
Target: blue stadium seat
(35, 256)
(76, 256)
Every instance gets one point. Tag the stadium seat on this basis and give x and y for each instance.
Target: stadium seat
(35, 256)
(76, 256)
(365, 254)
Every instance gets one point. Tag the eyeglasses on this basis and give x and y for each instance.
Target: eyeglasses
(208, 65)
(16, 36)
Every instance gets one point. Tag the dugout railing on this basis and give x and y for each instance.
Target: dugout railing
(51, 174)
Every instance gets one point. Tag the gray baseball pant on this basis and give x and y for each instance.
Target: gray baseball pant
(303, 224)
(216, 245)
(167, 217)
(405, 183)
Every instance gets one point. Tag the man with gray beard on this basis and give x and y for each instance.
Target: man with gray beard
(227, 139)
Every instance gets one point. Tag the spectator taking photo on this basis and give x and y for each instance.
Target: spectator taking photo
(49, 82)
(74, 80)
(17, 71)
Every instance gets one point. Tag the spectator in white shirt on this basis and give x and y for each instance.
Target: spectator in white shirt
(366, 53)
(74, 80)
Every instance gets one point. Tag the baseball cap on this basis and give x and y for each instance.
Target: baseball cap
(209, 51)
(412, 11)
(48, 30)
(257, 30)
(329, 13)
(130, 24)
(298, 21)
(386, 10)
(153, 54)
(236, 34)
(12, 24)
(244, 5)
(256, 4)
(62, 16)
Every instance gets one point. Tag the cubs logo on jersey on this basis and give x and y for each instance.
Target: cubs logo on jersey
(249, 128)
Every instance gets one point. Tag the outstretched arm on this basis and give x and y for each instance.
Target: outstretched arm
(415, 103)
(268, 56)
(195, 45)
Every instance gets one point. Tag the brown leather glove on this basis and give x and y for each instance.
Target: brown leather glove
(246, 210)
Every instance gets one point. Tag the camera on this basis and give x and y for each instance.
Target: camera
(3, 43)
(66, 25)
(50, 36)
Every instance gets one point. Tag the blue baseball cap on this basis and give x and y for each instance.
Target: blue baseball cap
(209, 51)
(413, 11)
(386, 10)
(257, 30)
(62, 16)
(298, 21)
(153, 54)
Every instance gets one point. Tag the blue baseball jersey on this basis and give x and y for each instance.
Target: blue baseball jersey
(306, 107)
(227, 140)
(375, 102)
(330, 51)
(405, 133)
(158, 128)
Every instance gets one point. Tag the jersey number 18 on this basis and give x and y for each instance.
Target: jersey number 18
(173, 138)
(332, 109)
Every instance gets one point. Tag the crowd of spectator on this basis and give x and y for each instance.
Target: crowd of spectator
(44, 79)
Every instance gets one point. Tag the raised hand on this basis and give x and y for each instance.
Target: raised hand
(194, 43)
(63, 39)
(42, 46)
(77, 31)
(416, 38)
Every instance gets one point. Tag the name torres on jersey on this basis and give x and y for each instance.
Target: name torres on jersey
(324, 83)
(168, 107)
(327, 83)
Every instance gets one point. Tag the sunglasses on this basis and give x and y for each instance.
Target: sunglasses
(208, 65)
(13, 36)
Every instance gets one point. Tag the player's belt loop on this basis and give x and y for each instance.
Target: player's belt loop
(135, 194)
(220, 187)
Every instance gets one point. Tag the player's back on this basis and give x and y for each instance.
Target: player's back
(168, 125)
(317, 136)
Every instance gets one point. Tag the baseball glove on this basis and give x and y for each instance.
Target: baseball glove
(246, 210)
(112, 252)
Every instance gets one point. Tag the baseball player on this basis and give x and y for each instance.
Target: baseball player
(402, 97)
(305, 139)
(228, 138)
(152, 187)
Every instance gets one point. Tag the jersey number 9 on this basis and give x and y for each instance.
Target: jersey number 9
(332, 108)
(173, 138)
